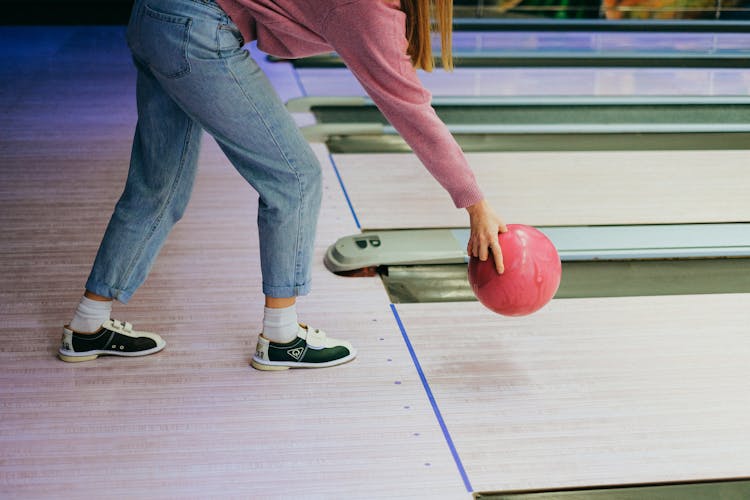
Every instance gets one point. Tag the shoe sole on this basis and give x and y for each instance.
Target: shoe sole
(285, 365)
(76, 359)
(69, 357)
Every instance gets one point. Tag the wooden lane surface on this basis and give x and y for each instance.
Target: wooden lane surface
(194, 421)
(591, 391)
(644, 43)
(197, 418)
(556, 188)
(536, 81)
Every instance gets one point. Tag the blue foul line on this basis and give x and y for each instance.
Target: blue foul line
(435, 408)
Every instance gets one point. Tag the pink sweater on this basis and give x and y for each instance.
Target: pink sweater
(369, 35)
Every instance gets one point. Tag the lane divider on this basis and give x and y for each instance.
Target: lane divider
(343, 188)
(434, 404)
(297, 78)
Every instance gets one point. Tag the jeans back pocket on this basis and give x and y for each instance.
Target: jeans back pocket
(163, 42)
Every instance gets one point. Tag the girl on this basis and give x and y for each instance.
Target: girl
(194, 75)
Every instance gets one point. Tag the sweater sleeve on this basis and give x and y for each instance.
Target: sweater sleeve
(370, 38)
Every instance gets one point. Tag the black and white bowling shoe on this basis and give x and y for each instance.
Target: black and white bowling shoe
(114, 338)
(311, 349)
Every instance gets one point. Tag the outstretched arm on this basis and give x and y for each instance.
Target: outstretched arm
(369, 35)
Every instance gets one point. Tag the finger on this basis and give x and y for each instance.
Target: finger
(471, 246)
(502, 227)
(483, 252)
(497, 254)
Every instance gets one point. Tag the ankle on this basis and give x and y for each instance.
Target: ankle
(280, 324)
(90, 315)
(280, 302)
(99, 298)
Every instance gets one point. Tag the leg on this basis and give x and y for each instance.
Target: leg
(162, 170)
(250, 123)
(194, 53)
(253, 128)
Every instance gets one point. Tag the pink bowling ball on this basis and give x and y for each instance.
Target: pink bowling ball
(531, 276)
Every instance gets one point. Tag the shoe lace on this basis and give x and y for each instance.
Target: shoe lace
(123, 325)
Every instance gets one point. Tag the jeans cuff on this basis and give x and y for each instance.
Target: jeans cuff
(286, 291)
(105, 290)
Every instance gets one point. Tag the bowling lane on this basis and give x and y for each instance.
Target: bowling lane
(542, 123)
(550, 81)
(390, 191)
(587, 391)
(723, 113)
(590, 391)
(585, 42)
(723, 47)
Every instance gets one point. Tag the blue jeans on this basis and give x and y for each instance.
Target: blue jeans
(194, 75)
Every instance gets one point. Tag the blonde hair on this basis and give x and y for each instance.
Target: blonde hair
(419, 27)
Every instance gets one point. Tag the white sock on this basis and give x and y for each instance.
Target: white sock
(90, 315)
(280, 325)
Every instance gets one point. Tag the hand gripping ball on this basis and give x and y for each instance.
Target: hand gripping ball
(531, 276)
